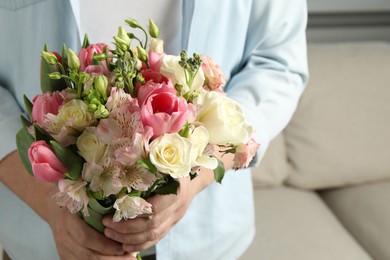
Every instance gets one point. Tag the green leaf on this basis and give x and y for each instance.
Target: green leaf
(168, 188)
(99, 208)
(147, 164)
(71, 160)
(41, 134)
(25, 121)
(23, 143)
(85, 42)
(28, 104)
(94, 220)
(219, 172)
(47, 84)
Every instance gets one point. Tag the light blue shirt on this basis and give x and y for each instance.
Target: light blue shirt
(261, 47)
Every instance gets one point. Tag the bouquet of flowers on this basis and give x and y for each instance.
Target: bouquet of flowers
(114, 126)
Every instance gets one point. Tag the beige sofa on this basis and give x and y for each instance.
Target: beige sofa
(323, 188)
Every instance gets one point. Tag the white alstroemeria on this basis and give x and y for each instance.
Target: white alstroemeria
(129, 207)
(73, 196)
(105, 177)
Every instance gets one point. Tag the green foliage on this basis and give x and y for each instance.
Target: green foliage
(28, 104)
(71, 160)
(168, 188)
(219, 172)
(147, 164)
(23, 143)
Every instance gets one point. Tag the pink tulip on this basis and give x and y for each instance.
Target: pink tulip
(164, 111)
(86, 55)
(154, 59)
(45, 164)
(44, 104)
(154, 76)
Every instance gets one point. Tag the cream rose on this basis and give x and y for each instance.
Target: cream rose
(171, 68)
(90, 147)
(75, 114)
(171, 154)
(223, 119)
(199, 137)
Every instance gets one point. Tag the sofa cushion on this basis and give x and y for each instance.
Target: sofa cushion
(293, 224)
(273, 169)
(365, 212)
(340, 133)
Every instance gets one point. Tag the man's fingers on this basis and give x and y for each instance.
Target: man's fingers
(92, 239)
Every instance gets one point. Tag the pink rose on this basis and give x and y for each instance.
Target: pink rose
(155, 61)
(45, 164)
(213, 73)
(44, 104)
(244, 154)
(86, 56)
(154, 76)
(164, 111)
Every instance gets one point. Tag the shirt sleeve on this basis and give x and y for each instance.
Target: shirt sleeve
(274, 71)
(9, 122)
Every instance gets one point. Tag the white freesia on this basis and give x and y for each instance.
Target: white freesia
(223, 118)
(156, 45)
(199, 138)
(171, 154)
(171, 68)
(90, 147)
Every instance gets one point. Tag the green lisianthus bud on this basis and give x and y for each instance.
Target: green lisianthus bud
(101, 84)
(120, 44)
(132, 23)
(92, 108)
(142, 54)
(73, 60)
(101, 112)
(49, 57)
(153, 29)
(99, 57)
(55, 75)
(123, 35)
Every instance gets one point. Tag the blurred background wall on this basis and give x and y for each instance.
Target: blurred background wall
(348, 20)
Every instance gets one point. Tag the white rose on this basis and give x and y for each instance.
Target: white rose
(199, 138)
(223, 119)
(75, 114)
(90, 147)
(171, 68)
(171, 154)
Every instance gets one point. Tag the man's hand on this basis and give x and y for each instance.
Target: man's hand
(145, 231)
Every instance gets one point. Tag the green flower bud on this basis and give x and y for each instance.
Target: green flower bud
(121, 44)
(55, 75)
(95, 101)
(153, 29)
(73, 60)
(101, 112)
(132, 22)
(142, 55)
(123, 35)
(92, 108)
(99, 57)
(101, 84)
(49, 57)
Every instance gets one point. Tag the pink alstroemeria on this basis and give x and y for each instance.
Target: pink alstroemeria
(45, 164)
(73, 196)
(104, 177)
(128, 207)
(244, 154)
